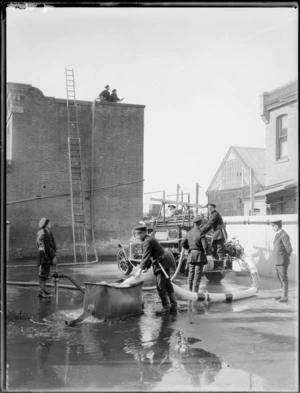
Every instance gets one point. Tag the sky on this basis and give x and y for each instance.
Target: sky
(199, 72)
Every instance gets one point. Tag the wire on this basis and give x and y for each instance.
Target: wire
(67, 194)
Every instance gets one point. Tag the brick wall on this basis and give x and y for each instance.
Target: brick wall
(40, 168)
(282, 170)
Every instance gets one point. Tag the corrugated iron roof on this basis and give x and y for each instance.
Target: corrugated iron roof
(254, 157)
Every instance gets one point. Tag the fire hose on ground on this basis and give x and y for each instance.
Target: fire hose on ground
(205, 296)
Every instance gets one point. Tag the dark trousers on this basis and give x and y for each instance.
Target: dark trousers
(282, 274)
(163, 284)
(195, 274)
(217, 249)
(44, 271)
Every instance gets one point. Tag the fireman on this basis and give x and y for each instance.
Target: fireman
(155, 255)
(219, 234)
(46, 254)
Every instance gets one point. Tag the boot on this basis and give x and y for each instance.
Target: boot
(165, 305)
(284, 298)
(42, 292)
(173, 309)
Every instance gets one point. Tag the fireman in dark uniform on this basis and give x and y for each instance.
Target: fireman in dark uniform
(105, 94)
(153, 254)
(46, 254)
(198, 248)
(219, 234)
(114, 97)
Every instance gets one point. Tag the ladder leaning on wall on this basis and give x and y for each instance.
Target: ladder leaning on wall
(77, 199)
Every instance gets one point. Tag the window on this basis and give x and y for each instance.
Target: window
(282, 137)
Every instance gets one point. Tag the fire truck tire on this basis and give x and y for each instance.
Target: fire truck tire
(215, 277)
(123, 265)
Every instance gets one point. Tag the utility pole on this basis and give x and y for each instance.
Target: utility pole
(197, 196)
(177, 194)
(251, 193)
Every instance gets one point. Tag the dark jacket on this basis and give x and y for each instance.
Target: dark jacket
(217, 225)
(113, 98)
(282, 249)
(197, 245)
(47, 248)
(105, 94)
(153, 253)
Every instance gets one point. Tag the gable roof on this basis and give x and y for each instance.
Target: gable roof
(252, 157)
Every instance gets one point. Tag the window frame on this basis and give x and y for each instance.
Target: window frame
(281, 137)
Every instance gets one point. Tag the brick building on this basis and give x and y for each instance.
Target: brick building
(38, 180)
(275, 168)
(279, 111)
(231, 182)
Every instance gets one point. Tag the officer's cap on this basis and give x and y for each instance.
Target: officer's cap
(197, 219)
(43, 222)
(107, 87)
(141, 228)
(211, 204)
(278, 222)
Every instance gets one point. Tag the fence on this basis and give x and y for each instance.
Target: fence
(256, 235)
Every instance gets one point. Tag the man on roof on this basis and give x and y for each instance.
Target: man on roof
(105, 94)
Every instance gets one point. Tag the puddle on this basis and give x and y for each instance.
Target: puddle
(145, 352)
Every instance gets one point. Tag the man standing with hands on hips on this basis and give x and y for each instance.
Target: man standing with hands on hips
(281, 256)
(161, 261)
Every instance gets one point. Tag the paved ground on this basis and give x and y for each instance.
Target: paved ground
(246, 345)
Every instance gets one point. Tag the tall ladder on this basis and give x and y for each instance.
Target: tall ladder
(77, 199)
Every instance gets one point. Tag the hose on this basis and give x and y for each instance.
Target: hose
(35, 283)
(56, 275)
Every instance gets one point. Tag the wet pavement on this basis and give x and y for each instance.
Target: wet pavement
(246, 345)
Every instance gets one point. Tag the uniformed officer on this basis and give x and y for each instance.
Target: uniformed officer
(198, 248)
(114, 97)
(105, 94)
(219, 234)
(46, 254)
(154, 254)
(281, 256)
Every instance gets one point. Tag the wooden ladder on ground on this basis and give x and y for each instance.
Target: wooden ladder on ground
(77, 198)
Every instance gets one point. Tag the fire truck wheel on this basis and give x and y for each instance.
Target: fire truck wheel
(123, 265)
(215, 277)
